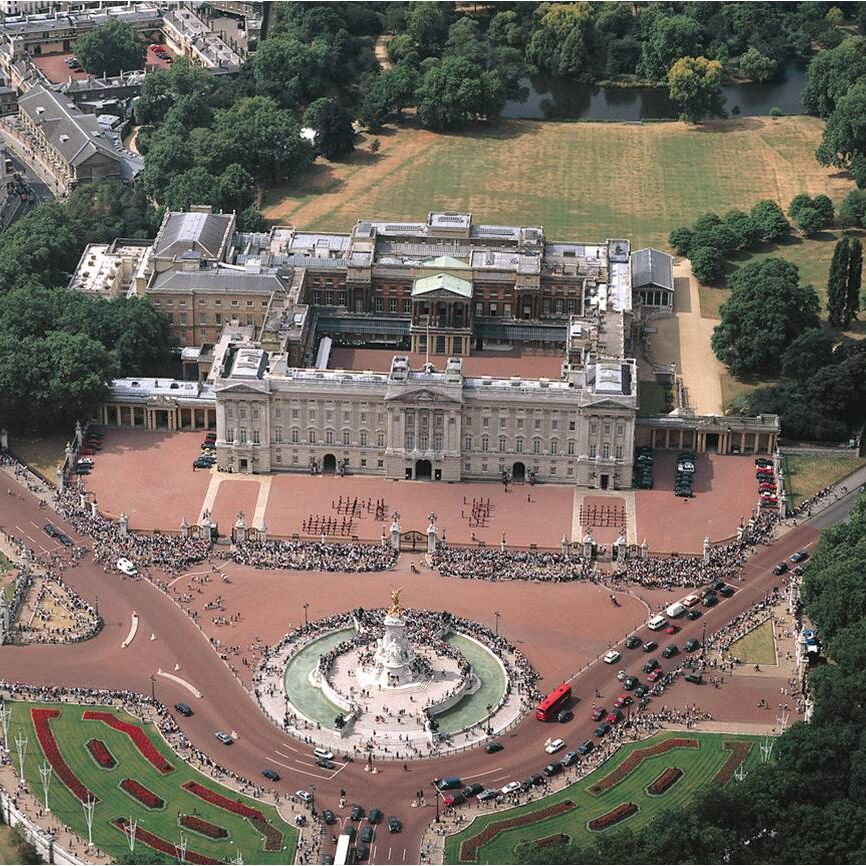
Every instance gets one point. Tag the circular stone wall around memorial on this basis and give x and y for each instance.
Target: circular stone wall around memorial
(465, 709)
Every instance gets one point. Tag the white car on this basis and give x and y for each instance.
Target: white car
(511, 787)
(690, 601)
(124, 565)
(620, 675)
(322, 752)
(552, 746)
(612, 656)
(304, 796)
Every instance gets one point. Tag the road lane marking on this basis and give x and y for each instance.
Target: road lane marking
(133, 628)
(180, 681)
(296, 770)
(486, 773)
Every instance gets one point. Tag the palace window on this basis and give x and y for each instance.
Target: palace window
(485, 443)
(363, 438)
(329, 437)
(619, 452)
(242, 436)
(255, 437)
(518, 445)
(536, 446)
(467, 443)
(347, 437)
(554, 446)
(592, 450)
(296, 435)
(501, 443)
(571, 446)
(311, 436)
(605, 451)
(278, 434)
(380, 440)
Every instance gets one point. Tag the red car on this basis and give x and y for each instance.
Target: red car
(672, 629)
(652, 676)
(614, 716)
(623, 700)
(598, 714)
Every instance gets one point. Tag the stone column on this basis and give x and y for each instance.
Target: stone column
(395, 535)
(382, 538)
(61, 479)
(124, 524)
(263, 532)
(431, 535)
(240, 533)
(93, 511)
(706, 550)
(184, 529)
(588, 542)
(78, 435)
(621, 549)
(563, 546)
(82, 501)
(644, 550)
(502, 543)
(740, 531)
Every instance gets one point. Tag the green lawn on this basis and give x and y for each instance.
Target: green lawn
(757, 647)
(699, 767)
(581, 181)
(806, 474)
(41, 453)
(8, 848)
(72, 733)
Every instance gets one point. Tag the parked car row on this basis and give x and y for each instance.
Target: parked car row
(766, 477)
(53, 532)
(159, 50)
(685, 477)
(642, 474)
(207, 458)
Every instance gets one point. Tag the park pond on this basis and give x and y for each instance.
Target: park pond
(547, 98)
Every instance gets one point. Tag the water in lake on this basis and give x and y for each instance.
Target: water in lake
(549, 98)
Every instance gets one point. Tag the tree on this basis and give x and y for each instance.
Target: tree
(831, 73)
(769, 220)
(191, 187)
(155, 98)
(695, 84)
(561, 43)
(809, 220)
(743, 229)
(855, 274)
(757, 66)
(387, 94)
(708, 264)
(852, 208)
(808, 352)
(427, 25)
(837, 284)
(111, 48)
(455, 91)
(335, 136)
(287, 70)
(664, 39)
(680, 239)
(844, 137)
(766, 310)
(237, 189)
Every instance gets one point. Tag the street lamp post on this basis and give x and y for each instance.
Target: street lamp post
(436, 791)
(96, 605)
(306, 608)
(497, 614)
(153, 688)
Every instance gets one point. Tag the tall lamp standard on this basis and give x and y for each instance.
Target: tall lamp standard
(436, 791)
(497, 614)
(306, 608)
(152, 688)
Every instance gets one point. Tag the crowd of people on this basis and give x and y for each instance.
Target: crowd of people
(486, 563)
(53, 613)
(315, 556)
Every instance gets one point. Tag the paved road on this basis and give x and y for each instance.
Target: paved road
(102, 663)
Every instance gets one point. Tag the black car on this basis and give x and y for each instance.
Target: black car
(694, 613)
(394, 825)
(356, 813)
(629, 683)
(727, 591)
(367, 834)
(270, 774)
(697, 679)
(649, 646)
(472, 790)
(570, 758)
(375, 816)
(586, 747)
(651, 665)
(602, 730)
(201, 463)
(709, 600)
(670, 651)
(325, 764)
(780, 568)
(691, 645)
(552, 769)
(799, 556)
(362, 852)
(329, 817)
(537, 779)
(495, 746)
(564, 716)
(641, 690)
(183, 709)
(632, 641)
(717, 585)
(51, 529)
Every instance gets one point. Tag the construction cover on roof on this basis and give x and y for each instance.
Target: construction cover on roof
(445, 262)
(651, 267)
(442, 283)
(205, 233)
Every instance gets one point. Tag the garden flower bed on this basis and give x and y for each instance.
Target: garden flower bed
(41, 718)
(205, 828)
(470, 847)
(739, 750)
(161, 845)
(636, 758)
(620, 813)
(664, 780)
(100, 753)
(273, 837)
(142, 742)
(144, 796)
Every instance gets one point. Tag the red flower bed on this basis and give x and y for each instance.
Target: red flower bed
(41, 718)
(470, 847)
(199, 825)
(662, 782)
(161, 845)
(739, 750)
(99, 752)
(142, 742)
(142, 794)
(273, 837)
(636, 758)
(620, 813)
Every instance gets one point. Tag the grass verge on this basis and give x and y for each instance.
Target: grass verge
(757, 647)
(806, 474)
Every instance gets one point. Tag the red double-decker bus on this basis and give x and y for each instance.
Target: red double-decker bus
(553, 703)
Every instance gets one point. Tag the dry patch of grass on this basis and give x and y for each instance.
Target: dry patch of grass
(41, 453)
(757, 647)
(806, 474)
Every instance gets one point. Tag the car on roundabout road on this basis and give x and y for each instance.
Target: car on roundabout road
(691, 645)
(552, 769)
(224, 738)
(126, 567)
(612, 656)
(329, 817)
(304, 796)
(271, 775)
(321, 752)
(375, 816)
(510, 788)
(602, 730)
(552, 746)
(632, 641)
(570, 758)
(649, 646)
(488, 794)
(598, 714)
(394, 825)
(697, 613)
(183, 709)
(367, 834)
(356, 813)
(493, 747)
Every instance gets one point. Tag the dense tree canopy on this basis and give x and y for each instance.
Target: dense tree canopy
(695, 85)
(111, 48)
(766, 310)
(455, 91)
(335, 137)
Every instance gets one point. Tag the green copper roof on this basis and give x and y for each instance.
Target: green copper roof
(446, 282)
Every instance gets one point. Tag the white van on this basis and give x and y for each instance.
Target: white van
(675, 610)
(657, 623)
